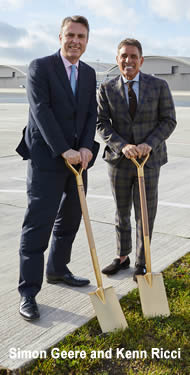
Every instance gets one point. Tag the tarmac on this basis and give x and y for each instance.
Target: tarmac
(63, 309)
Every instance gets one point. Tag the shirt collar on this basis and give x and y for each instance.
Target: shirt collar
(67, 63)
(135, 79)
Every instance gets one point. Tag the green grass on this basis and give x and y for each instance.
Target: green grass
(143, 334)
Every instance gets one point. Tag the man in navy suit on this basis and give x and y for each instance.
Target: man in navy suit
(62, 118)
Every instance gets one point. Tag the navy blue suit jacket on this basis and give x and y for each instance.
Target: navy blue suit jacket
(56, 116)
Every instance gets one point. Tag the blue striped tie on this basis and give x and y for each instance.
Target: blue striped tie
(73, 78)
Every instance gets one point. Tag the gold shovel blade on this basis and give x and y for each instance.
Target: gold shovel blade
(153, 296)
(109, 314)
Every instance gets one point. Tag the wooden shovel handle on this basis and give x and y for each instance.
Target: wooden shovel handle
(87, 223)
(144, 211)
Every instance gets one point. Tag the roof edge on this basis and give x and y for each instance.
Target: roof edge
(13, 67)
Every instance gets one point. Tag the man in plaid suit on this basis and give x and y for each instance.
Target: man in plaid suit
(133, 133)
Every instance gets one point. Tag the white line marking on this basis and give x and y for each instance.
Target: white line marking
(162, 203)
(12, 191)
(10, 130)
(100, 196)
(6, 158)
(19, 178)
(109, 197)
(178, 143)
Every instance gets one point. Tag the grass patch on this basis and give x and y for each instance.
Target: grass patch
(142, 335)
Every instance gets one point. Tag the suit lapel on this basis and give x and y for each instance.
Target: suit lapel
(143, 91)
(82, 84)
(63, 77)
(119, 92)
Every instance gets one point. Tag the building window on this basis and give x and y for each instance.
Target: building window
(13, 74)
(175, 69)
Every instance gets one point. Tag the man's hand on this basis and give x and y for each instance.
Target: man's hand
(72, 156)
(86, 156)
(130, 151)
(143, 149)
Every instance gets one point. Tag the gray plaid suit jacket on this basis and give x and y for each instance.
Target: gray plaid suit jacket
(154, 120)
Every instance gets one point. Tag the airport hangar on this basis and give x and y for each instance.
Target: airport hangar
(12, 76)
(175, 70)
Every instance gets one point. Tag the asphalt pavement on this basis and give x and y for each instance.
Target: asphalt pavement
(63, 309)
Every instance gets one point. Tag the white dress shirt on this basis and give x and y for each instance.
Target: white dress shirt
(135, 86)
(68, 65)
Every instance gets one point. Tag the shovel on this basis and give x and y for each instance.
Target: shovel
(151, 286)
(104, 301)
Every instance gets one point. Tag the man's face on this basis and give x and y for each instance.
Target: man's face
(129, 61)
(73, 39)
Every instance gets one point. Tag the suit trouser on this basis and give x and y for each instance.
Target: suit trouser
(125, 189)
(53, 203)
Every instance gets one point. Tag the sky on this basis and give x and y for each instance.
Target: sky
(30, 28)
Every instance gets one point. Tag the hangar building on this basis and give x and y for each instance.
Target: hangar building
(12, 76)
(175, 70)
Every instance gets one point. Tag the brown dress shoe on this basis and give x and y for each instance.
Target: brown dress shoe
(116, 266)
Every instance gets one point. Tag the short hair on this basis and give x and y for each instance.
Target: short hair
(76, 19)
(130, 42)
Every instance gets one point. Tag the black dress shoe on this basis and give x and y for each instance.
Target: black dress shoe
(67, 278)
(140, 270)
(29, 308)
(116, 266)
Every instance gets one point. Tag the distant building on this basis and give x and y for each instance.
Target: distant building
(101, 69)
(100, 66)
(12, 77)
(175, 70)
